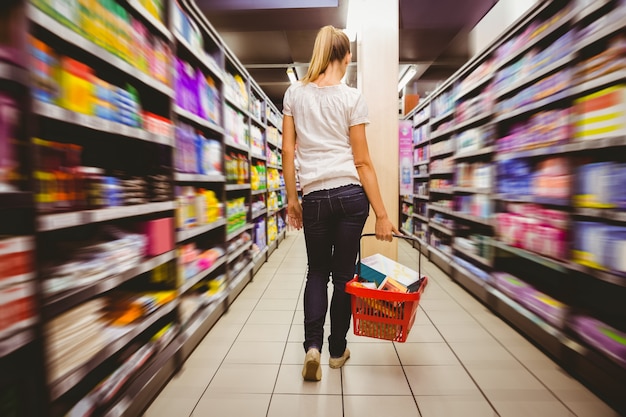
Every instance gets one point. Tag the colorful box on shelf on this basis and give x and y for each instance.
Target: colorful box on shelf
(159, 234)
(601, 185)
(601, 114)
(601, 336)
(600, 246)
(16, 257)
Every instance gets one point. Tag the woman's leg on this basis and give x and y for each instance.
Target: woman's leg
(318, 236)
(351, 209)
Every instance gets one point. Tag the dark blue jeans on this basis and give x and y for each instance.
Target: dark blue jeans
(333, 222)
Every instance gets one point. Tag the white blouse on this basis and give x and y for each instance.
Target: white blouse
(323, 116)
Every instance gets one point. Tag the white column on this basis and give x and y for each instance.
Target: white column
(377, 77)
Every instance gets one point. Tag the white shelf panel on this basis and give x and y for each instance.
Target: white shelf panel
(185, 177)
(55, 112)
(183, 235)
(152, 20)
(189, 116)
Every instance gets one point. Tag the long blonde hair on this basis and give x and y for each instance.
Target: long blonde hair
(331, 44)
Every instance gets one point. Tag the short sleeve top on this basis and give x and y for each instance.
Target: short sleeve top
(322, 118)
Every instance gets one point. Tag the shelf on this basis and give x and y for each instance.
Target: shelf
(472, 190)
(234, 255)
(606, 276)
(417, 123)
(471, 282)
(183, 235)
(442, 229)
(274, 144)
(474, 86)
(439, 209)
(578, 146)
(240, 281)
(188, 284)
(276, 189)
(598, 82)
(532, 42)
(256, 214)
(271, 248)
(16, 341)
(606, 31)
(197, 120)
(420, 217)
(19, 279)
(49, 222)
(538, 105)
(606, 214)
(235, 187)
(65, 383)
(274, 166)
(228, 141)
(474, 120)
(473, 219)
(442, 172)
(438, 135)
(68, 35)
(14, 74)
(589, 8)
(16, 200)
(152, 20)
(257, 156)
(535, 76)
(549, 201)
(237, 232)
(449, 191)
(422, 143)
(54, 112)
(440, 154)
(272, 212)
(438, 119)
(257, 120)
(560, 266)
(59, 303)
(477, 258)
(442, 260)
(206, 63)
(421, 177)
(421, 197)
(205, 178)
(258, 192)
(407, 200)
(232, 102)
(418, 163)
(488, 150)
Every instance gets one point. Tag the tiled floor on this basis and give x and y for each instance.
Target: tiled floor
(459, 360)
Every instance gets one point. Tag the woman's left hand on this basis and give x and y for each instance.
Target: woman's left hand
(385, 229)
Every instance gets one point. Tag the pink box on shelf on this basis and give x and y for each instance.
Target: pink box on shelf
(159, 234)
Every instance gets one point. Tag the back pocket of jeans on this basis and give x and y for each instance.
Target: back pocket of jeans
(310, 210)
(355, 205)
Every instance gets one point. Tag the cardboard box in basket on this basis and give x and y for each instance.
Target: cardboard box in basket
(376, 268)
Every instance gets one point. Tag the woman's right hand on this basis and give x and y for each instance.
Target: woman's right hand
(294, 215)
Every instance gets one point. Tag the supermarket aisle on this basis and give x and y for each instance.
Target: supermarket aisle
(459, 360)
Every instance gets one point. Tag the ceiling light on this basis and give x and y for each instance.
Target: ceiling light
(291, 73)
(408, 75)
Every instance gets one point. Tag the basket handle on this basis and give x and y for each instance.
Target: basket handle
(405, 237)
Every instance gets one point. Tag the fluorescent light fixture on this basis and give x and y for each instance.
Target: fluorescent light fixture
(408, 75)
(291, 73)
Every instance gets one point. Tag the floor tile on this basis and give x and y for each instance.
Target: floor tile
(290, 381)
(276, 304)
(244, 379)
(532, 408)
(294, 354)
(454, 406)
(365, 406)
(270, 317)
(231, 404)
(264, 333)
(424, 333)
(374, 380)
(469, 332)
(426, 354)
(256, 352)
(373, 354)
(440, 380)
(489, 353)
(287, 405)
(168, 407)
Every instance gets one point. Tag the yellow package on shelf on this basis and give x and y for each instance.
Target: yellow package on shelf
(601, 114)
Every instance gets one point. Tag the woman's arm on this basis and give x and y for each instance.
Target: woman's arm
(367, 174)
(294, 209)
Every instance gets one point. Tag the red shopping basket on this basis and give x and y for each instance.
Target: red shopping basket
(384, 314)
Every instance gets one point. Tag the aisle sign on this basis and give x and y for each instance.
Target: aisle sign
(405, 138)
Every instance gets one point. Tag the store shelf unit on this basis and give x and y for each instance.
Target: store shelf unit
(548, 65)
(136, 203)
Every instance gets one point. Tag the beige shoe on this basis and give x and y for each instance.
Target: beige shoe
(340, 361)
(312, 371)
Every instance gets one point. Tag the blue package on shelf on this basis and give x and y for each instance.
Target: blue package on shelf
(473, 269)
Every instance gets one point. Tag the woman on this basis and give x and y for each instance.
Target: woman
(326, 119)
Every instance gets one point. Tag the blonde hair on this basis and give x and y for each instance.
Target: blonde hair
(331, 45)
